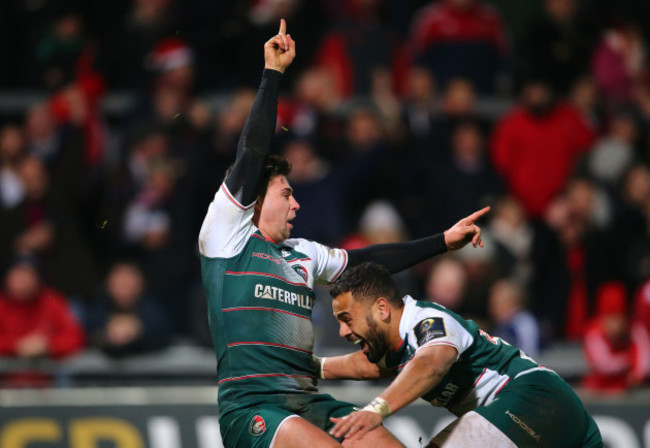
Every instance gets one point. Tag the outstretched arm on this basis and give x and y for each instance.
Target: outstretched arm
(353, 366)
(421, 374)
(254, 143)
(398, 256)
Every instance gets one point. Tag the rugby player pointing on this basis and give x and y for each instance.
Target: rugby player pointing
(503, 398)
(259, 287)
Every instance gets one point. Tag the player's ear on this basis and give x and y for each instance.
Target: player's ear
(382, 308)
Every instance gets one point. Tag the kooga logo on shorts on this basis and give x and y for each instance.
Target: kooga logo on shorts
(523, 426)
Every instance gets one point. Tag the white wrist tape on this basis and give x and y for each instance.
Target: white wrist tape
(322, 367)
(320, 363)
(378, 406)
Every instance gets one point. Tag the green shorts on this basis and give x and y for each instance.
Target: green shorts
(254, 426)
(541, 410)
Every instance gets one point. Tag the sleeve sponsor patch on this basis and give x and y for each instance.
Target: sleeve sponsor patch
(429, 329)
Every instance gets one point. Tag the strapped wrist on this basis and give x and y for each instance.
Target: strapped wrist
(378, 406)
(320, 363)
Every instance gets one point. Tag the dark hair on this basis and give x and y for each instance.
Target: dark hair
(274, 165)
(367, 282)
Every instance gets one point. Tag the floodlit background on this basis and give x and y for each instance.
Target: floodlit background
(118, 119)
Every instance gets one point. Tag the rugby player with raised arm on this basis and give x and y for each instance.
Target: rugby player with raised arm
(259, 286)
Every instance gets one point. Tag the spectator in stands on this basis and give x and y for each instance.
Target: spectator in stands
(557, 45)
(125, 319)
(585, 97)
(446, 284)
(75, 108)
(60, 148)
(632, 205)
(385, 100)
(463, 183)
(457, 105)
(28, 227)
(154, 226)
(356, 47)
(366, 155)
(619, 63)
(481, 271)
(127, 177)
(381, 223)
(573, 259)
(419, 107)
(123, 51)
(58, 51)
(315, 111)
(616, 349)
(171, 93)
(535, 146)
(512, 321)
(460, 38)
(12, 150)
(614, 152)
(630, 225)
(45, 224)
(35, 320)
(513, 239)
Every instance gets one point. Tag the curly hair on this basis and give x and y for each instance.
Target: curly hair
(367, 281)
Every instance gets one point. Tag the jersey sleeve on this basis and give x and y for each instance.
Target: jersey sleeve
(429, 327)
(226, 227)
(328, 263)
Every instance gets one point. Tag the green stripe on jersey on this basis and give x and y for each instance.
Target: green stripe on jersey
(259, 309)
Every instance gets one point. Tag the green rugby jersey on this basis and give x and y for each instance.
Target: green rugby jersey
(484, 365)
(260, 297)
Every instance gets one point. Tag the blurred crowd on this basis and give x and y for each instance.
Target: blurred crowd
(399, 118)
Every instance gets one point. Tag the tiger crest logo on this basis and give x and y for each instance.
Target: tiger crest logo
(257, 426)
(301, 271)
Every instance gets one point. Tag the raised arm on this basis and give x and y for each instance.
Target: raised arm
(254, 143)
(398, 256)
(421, 374)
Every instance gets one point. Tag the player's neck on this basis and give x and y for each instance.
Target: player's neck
(394, 338)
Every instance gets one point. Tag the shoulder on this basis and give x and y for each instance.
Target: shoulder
(423, 319)
(227, 226)
(428, 323)
(311, 248)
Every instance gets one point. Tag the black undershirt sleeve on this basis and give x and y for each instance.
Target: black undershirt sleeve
(399, 256)
(255, 141)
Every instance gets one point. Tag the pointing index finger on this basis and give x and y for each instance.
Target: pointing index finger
(283, 28)
(471, 219)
